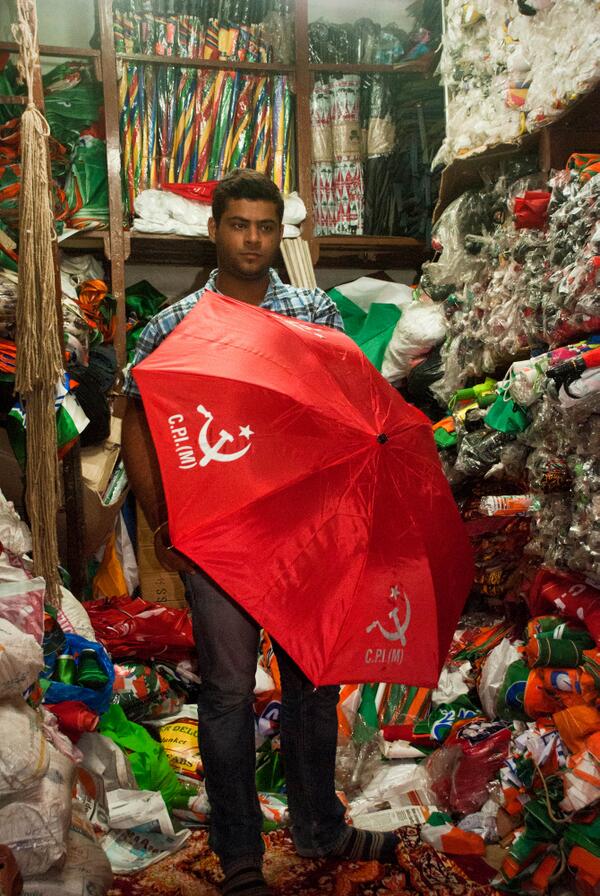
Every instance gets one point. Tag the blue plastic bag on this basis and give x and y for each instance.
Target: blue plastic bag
(99, 700)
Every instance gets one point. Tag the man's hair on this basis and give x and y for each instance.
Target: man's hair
(245, 183)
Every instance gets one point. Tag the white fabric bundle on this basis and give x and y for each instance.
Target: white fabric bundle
(421, 327)
(160, 211)
(86, 872)
(75, 615)
(14, 533)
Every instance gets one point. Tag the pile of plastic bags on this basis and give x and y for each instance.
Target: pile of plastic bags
(514, 754)
(511, 67)
(517, 270)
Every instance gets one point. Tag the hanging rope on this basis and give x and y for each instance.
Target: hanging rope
(39, 364)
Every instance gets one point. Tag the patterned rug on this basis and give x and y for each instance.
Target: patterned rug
(195, 871)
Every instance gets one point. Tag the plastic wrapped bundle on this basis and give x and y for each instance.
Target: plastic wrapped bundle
(322, 155)
(35, 824)
(508, 72)
(348, 188)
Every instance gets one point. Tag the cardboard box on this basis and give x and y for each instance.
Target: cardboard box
(156, 583)
(98, 464)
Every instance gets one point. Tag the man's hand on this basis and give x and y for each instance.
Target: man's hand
(168, 556)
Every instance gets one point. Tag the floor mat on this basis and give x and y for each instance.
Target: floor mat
(195, 871)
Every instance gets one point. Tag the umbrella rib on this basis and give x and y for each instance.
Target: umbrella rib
(312, 349)
(364, 561)
(278, 320)
(290, 484)
(353, 426)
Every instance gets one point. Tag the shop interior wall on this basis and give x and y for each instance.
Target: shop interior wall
(65, 23)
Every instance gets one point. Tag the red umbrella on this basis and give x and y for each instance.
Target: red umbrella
(303, 484)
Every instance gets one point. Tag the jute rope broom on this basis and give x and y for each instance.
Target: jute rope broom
(39, 364)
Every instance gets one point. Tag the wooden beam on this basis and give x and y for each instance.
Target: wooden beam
(51, 50)
(359, 68)
(303, 125)
(194, 62)
(113, 161)
(10, 100)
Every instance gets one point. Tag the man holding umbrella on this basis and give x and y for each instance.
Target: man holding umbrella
(246, 228)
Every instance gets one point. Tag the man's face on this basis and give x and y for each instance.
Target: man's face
(247, 237)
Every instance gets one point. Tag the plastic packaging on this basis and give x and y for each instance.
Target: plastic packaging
(35, 825)
(142, 692)
(21, 660)
(25, 753)
(86, 869)
(180, 742)
(500, 78)
(97, 694)
(22, 603)
(459, 771)
(493, 675)
(421, 327)
(147, 757)
(135, 627)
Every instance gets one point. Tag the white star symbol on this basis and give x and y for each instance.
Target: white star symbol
(394, 592)
(246, 432)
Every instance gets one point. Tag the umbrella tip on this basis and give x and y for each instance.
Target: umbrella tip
(382, 438)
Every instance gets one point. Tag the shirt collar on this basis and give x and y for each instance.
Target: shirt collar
(271, 295)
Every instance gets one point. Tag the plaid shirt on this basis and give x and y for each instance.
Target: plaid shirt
(312, 305)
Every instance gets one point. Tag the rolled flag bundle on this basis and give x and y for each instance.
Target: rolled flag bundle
(440, 833)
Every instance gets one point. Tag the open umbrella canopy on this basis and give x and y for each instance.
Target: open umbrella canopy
(301, 482)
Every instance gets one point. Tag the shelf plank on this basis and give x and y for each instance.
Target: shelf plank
(52, 50)
(226, 64)
(421, 66)
(372, 252)
(11, 100)
(353, 242)
(369, 242)
(464, 172)
(349, 68)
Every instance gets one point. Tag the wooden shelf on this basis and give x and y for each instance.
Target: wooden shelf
(368, 242)
(577, 125)
(377, 251)
(10, 100)
(422, 65)
(51, 50)
(337, 251)
(349, 68)
(194, 62)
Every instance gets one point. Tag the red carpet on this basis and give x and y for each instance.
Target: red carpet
(194, 871)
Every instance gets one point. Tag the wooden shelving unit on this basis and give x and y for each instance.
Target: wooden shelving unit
(578, 126)
(119, 245)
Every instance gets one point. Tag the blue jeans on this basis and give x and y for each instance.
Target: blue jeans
(227, 641)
